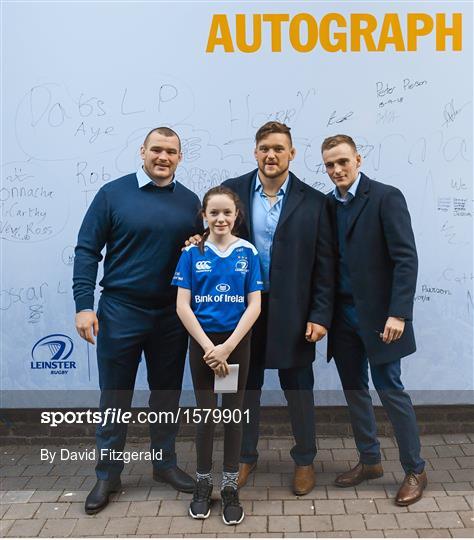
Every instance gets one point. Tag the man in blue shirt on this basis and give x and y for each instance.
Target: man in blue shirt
(142, 219)
(289, 224)
(377, 269)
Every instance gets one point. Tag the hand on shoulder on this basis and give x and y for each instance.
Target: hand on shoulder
(192, 240)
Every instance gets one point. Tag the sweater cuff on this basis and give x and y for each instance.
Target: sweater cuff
(84, 303)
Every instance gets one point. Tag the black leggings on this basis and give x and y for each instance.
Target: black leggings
(203, 382)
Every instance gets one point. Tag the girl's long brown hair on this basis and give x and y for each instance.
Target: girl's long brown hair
(221, 190)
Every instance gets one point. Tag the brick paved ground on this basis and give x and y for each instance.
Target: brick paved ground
(40, 500)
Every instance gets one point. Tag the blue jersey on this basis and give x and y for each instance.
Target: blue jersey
(219, 282)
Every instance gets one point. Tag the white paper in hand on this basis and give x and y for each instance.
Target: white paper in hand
(229, 383)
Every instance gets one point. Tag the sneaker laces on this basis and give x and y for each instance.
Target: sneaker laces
(230, 497)
(201, 491)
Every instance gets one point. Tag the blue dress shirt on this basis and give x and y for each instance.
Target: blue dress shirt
(351, 192)
(264, 223)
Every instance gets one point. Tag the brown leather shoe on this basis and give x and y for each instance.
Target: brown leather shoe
(244, 470)
(358, 474)
(411, 489)
(304, 479)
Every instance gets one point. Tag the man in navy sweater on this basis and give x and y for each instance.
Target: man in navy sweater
(143, 220)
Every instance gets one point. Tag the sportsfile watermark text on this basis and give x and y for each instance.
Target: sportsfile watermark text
(120, 416)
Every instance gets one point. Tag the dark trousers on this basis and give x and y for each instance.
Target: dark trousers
(297, 384)
(203, 382)
(125, 332)
(352, 364)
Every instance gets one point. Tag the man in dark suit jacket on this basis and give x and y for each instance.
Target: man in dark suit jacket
(377, 269)
(289, 223)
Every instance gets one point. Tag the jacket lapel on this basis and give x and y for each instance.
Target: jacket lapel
(294, 198)
(359, 202)
(332, 208)
(247, 198)
(244, 188)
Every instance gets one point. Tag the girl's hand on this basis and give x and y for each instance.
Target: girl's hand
(216, 359)
(208, 349)
(222, 370)
(217, 355)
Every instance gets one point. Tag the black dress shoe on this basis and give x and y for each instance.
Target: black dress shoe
(98, 498)
(176, 478)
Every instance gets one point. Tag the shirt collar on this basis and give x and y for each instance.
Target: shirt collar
(144, 180)
(282, 191)
(351, 192)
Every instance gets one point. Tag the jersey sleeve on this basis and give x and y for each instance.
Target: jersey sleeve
(254, 277)
(182, 276)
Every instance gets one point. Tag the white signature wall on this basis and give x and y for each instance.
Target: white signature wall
(84, 82)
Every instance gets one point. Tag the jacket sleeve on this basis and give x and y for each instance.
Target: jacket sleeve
(324, 272)
(199, 222)
(91, 240)
(400, 241)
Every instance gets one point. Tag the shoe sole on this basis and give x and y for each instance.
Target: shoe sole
(304, 492)
(92, 511)
(413, 501)
(352, 484)
(199, 516)
(233, 522)
(185, 490)
(241, 485)
(96, 510)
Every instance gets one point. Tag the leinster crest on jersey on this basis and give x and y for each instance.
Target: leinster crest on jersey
(242, 265)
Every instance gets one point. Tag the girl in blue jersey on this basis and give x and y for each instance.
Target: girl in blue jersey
(218, 301)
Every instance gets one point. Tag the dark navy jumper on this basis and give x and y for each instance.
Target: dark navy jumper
(143, 230)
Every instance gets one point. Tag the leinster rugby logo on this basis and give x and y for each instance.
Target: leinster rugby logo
(241, 265)
(203, 266)
(52, 353)
(223, 287)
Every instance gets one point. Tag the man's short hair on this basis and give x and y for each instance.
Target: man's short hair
(272, 127)
(165, 131)
(335, 140)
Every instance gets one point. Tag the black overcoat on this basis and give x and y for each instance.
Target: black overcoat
(383, 264)
(302, 269)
